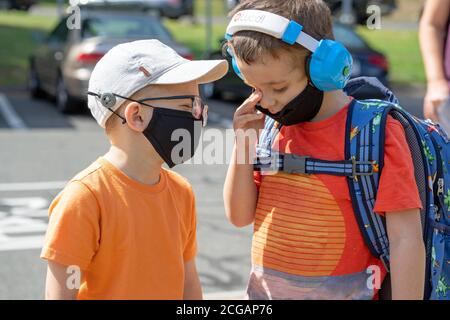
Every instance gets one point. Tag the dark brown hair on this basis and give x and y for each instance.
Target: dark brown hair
(313, 15)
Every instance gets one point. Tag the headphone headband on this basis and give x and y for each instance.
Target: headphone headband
(272, 24)
(329, 65)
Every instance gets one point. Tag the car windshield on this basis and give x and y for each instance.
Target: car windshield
(349, 38)
(124, 27)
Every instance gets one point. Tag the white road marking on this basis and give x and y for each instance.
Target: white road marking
(28, 203)
(34, 242)
(11, 222)
(23, 223)
(10, 115)
(32, 186)
(42, 213)
(24, 229)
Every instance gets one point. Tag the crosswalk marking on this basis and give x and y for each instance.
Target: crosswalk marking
(10, 115)
(25, 243)
(23, 222)
(32, 186)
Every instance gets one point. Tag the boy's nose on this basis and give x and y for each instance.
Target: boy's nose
(269, 104)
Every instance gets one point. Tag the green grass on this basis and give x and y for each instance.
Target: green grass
(17, 44)
(218, 6)
(194, 36)
(403, 51)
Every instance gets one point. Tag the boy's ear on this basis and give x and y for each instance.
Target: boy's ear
(137, 116)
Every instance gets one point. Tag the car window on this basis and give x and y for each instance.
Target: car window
(60, 33)
(124, 27)
(349, 38)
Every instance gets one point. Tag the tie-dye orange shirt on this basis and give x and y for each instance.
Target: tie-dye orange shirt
(306, 241)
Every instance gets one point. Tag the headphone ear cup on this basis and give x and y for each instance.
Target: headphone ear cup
(236, 68)
(330, 66)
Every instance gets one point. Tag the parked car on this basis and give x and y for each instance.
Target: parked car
(17, 4)
(367, 62)
(173, 9)
(62, 64)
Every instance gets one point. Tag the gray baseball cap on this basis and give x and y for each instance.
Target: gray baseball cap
(129, 67)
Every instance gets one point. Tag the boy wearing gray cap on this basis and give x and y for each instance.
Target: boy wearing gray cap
(125, 228)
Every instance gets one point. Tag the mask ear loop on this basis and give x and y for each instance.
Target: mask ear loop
(105, 99)
(307, 66)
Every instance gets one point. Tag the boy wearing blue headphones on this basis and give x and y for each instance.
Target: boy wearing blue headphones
(306, 241)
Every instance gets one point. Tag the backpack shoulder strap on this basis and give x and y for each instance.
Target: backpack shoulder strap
(268, 135)
(365, 131)
(357, 85)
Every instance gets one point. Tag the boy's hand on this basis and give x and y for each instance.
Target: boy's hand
(247, 124)
(246, 116)
(437, 93)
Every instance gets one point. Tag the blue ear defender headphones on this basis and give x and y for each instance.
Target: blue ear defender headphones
(234, 65)
(330, 63)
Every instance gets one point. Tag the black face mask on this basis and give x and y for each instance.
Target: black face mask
(304, 107)
(160, 132)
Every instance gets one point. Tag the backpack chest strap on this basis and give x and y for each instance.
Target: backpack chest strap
(295, 164)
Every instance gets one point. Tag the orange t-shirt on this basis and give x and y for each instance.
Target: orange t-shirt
(306, 242)
(130, 239)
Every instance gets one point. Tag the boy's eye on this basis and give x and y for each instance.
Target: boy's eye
(280, 90)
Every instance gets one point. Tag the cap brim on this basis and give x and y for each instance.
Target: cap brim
(202, 71)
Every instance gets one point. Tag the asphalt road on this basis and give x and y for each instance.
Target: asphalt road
(37, 159)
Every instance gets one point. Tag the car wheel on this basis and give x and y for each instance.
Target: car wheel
(64, 102)
(33, 84)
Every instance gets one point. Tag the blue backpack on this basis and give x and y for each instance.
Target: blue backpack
(363, 164)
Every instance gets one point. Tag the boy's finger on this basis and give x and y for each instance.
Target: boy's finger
(250, 103)
(242, 120)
